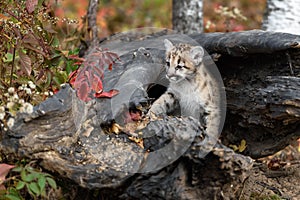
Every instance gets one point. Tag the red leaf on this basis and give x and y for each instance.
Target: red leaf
(110, 67)
(109, 94)
(88, 80)
(97, 84)
(73, 76)
(55, 90)
(77, 63)
(4, 169)
(76, 57)
(30, 5)
(25, 63)
(30, 39)
(73, 73)
(105, 58)
(83, 92)
(135, 115)
(40, 75)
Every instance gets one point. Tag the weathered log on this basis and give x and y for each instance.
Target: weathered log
(261, 74)
(69, 137)
(247, 42)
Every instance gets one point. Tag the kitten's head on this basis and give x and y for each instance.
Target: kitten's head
(182, 61)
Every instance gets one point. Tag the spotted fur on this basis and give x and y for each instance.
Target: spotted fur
(192, 89)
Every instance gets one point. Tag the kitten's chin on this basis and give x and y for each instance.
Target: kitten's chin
(175, 79)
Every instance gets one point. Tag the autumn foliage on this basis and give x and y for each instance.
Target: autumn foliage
(87, 81)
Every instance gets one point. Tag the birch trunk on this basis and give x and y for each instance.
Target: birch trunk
(282, 16)
(187, 16)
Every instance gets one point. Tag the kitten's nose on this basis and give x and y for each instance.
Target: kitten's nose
(170, 73)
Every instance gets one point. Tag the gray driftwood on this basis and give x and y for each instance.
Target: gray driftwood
(68, 137)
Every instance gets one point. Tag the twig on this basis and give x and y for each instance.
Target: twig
(92, 21)
(274, 189)
(290, 63)
(12, 67)
(240, 196)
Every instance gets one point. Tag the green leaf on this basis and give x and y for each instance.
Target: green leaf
(34, 188)
(69, 66)
(43, 193)
(13, 194)
(42, 182)
(26, 177)
(60, 78)
(20, 185)
(23, 174)
(29, 190)
(74, 51)
(51, 182)
(17, 169)
(29, 178)
(55, 42)
(34, 173)
(8, 57)
(12, 197)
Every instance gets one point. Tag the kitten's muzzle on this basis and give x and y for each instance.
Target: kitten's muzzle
(173, 78)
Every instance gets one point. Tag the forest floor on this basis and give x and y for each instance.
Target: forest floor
(275, 177)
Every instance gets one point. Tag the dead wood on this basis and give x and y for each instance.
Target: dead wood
(70, 137)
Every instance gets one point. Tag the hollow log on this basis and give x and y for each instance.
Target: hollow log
(71, 138)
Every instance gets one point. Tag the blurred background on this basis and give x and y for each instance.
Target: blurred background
(117, 16)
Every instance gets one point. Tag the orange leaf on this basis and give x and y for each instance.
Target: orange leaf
(4, 169)
(108, 94)
(3, 17)
(110, 67)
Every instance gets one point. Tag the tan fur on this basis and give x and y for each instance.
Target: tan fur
(192, 88)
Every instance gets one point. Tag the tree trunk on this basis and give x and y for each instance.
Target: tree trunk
(187, 16)
(282, 16)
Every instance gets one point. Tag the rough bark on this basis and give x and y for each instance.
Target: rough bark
(92, 22)
(282, 16)
(187, 16)
(263, 101)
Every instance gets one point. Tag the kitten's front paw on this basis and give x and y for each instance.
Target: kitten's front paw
(154, 112)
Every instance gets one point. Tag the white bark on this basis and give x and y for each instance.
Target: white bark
(282, 16)
(187, 16)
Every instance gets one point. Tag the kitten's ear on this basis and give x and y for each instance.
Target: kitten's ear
(168, 44)
(197, 54)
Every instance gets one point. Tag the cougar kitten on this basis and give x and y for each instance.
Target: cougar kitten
(192, 87)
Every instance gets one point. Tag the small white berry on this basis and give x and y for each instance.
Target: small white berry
(15, 97)
(11, 90)
(31, 85)
(2, 115)
(2, 109)
(21, 101)
(28, 91)
(28, 108)
(10, 122)
(10, 105)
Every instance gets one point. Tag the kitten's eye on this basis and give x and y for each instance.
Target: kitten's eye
(168, 63)
(178, 67)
